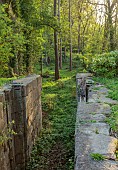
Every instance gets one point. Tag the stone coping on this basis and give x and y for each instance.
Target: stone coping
(80, 75)
(25, 80)
(92, 133)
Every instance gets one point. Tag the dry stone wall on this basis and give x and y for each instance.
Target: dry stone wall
(21, 102)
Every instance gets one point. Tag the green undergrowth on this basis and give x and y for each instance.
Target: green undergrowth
(54, 149)
(113, 119)
(6, 80)
(112, 85)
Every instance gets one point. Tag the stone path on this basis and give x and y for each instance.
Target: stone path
(92, 132)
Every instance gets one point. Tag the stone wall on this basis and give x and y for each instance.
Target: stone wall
(4, 149)
(21, 102)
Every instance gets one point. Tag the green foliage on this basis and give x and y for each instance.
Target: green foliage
(106, 64)
(11, 43)
(116, 154)
(55, 147)
(111, 84)
(26, 35)
(23, 35)
(6, 134)
(96, 131)
(6, 80)
(5, 36)
(113, 119)
(97, 156)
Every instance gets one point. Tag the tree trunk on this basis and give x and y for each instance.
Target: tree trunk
(70, 34)
(64, 53)
(109, 31)
(60, 56)
(79, 47)
(60, 40)
(79, 26)
(110, 26)
(41, 65)
(56, 46)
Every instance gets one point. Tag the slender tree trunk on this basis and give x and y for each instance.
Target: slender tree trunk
(64, 53)
(56, 46)
(105, 39)
(16, 68)
(60, 57)
(56, 55)
(116, 27)
(60, 40)
(111, 30)
(79, 26)
(70, 28)
(41, 65)
(79, 47)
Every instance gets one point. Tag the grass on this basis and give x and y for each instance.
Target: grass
(113, 119)
(96, 131)
(97, 156)
(93, 113)
(54, 148)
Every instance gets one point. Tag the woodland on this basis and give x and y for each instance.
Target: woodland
(34, 31)
(57, 39)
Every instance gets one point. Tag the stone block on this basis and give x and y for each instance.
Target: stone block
(19, 144)
(1, 110)
(20, 159)
(24, 91)
(2, 124)
(18, 118)
(80, 75)
(2, 96)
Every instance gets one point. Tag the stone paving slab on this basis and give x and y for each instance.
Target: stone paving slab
(101, 165)
(95, 128)
(100, 95)
(79, 75)
(92, 132)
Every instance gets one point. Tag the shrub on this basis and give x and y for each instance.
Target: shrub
(106, 64)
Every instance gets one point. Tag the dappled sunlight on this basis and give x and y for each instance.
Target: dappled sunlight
(50, 96)
(49, 84)
(64, 79)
